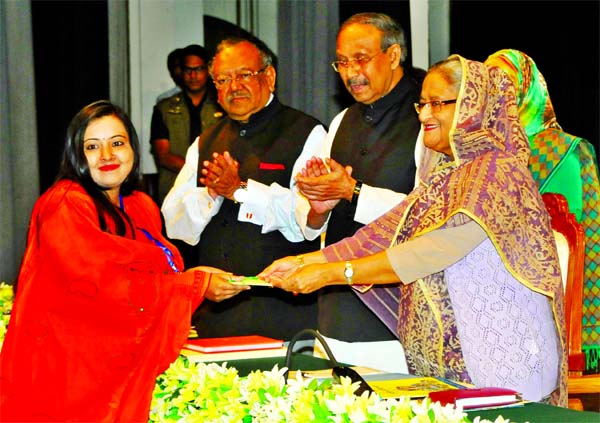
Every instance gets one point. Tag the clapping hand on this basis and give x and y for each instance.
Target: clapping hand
(325, 183)
(316, 182)
(221, 175)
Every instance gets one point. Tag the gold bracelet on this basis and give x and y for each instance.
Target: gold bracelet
(300, 259)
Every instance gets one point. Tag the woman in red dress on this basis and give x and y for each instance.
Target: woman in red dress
(102, 305)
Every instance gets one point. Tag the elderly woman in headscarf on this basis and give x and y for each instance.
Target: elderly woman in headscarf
(464, 269)
(565, 164)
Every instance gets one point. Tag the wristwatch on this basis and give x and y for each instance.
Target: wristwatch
(356, 192)
(348, 272)
(241, 193)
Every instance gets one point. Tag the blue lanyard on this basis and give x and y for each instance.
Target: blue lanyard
(168, 253)
(163, 247)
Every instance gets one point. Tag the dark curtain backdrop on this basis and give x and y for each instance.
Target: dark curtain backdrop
(71, 56)
(70, 44)
(562, 37)
(19, 180)
(306, 43)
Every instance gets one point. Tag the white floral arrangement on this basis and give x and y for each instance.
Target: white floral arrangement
(190, 392)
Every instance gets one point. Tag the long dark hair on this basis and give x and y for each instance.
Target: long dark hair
(74, 165)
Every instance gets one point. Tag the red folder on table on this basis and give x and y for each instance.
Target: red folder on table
(233, 343)
(476, 397)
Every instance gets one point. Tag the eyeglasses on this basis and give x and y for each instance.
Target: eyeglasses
(245, 76)
(435, 105)
(361, 61)
(188, 71)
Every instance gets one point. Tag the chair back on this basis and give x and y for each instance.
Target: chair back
(566, 224)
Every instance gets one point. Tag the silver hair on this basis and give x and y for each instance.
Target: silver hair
(450, 69)
(392, 31)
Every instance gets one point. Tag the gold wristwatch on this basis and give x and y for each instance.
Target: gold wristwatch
(348, 272)
(241, 193)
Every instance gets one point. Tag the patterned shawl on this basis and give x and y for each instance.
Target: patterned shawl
(558, 157)
(488, 182)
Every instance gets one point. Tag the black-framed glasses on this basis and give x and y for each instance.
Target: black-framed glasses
(188, 71)
(436, 105)
(360, 61)
(245, 76)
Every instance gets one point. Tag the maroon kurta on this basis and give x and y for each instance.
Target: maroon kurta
(96, 317)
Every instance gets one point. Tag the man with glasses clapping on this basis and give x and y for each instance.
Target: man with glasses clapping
(233, 197)
(371, 148)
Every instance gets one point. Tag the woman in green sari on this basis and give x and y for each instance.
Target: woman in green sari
(564, 164)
